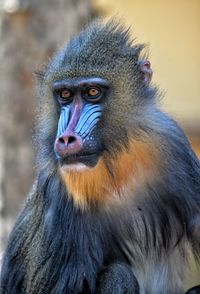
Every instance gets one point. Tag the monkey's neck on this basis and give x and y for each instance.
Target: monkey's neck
(111, 178)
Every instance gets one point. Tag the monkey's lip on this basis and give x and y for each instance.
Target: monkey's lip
(89, 159)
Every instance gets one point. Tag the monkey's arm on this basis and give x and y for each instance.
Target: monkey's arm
(117, 278)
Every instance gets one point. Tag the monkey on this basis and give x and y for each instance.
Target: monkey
(115, 207)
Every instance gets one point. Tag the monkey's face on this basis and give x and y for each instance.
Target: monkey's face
(97, 81)
(78, 144)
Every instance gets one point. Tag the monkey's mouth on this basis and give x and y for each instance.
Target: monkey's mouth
(88, 159)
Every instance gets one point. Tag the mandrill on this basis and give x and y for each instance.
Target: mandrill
(115, 207)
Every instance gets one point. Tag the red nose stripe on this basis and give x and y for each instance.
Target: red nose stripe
(75, 115)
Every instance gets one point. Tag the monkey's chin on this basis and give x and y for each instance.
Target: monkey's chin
(74, 167)
(79, 163)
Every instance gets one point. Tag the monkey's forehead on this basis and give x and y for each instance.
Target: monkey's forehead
(100, 48)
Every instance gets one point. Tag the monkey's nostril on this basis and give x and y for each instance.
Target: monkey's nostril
(71, 139)
(66, 140)
(61, 140)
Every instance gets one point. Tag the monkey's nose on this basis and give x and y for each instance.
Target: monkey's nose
(68, 144)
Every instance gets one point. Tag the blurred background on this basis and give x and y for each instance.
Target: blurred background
(31, 30)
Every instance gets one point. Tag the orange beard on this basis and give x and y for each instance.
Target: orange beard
(97, 185)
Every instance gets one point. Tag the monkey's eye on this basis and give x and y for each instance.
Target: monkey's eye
(93, 94)
(64, 95)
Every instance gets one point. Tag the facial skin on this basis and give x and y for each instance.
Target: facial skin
(81, 102)
(78, 145)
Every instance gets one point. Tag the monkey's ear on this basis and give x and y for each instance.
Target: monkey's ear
(145, 68)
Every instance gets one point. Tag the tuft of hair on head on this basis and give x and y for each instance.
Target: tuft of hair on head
(97, 48)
